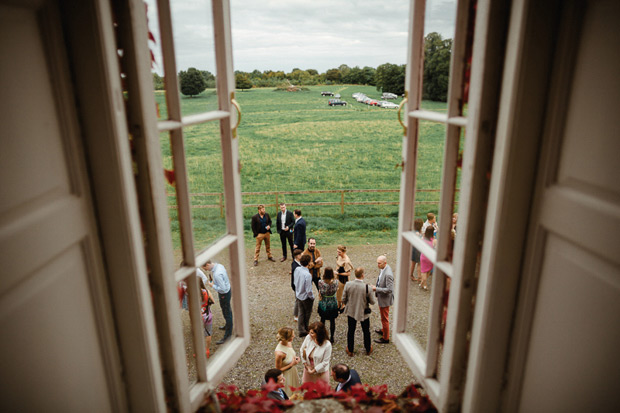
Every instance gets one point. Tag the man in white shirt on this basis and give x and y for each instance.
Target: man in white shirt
(303, 294)
(284, 224)
(221, 284)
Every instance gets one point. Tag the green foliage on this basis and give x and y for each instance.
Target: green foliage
(192, 82)
(158, 82)
(296, 142)
(209, 78)
(437, 52)
(243, 81)
(390, 78)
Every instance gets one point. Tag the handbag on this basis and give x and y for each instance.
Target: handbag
(367, 310)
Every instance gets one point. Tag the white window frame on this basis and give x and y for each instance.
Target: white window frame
(446, 390)
(164, 275)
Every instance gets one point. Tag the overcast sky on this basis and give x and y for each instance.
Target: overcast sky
(306, 34)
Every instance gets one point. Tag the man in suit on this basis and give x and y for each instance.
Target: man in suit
(261, 227)
(284, 224)
(275, 377)
(316, 261)
(385, 297)
(299, 231)
(357, 296)
(345, 377)
(303, 292)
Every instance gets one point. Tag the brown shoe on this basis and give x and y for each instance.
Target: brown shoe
(379, 332)
(348, 352)
(271, 259)
(255, 263)
(381, 341)
(369, 352)
(282, 259)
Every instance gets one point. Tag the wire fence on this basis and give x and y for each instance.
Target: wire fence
(278, 196)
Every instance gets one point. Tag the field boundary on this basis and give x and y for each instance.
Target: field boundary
(275, 194)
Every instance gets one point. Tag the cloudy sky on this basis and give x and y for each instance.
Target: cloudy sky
(305, 34)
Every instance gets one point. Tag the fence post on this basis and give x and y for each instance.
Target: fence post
(221, 207)
(342, 202)
(277, 203)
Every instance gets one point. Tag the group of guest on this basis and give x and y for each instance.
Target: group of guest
(315, 352)
(421, 265)
(218, 280)
(290, 226)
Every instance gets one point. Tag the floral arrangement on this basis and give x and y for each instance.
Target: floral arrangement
(361, 398)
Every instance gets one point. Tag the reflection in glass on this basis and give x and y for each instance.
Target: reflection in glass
(418, 302)
(219, 314)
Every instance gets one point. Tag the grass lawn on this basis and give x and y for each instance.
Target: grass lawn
(294, 141)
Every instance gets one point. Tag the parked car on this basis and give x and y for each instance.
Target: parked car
(372, 102)
(388, 105)
(327, 93)
(361, 98)
(336, 102)
(387, 95)
(356, 94)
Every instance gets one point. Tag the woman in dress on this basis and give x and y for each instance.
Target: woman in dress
(328, 306)
(415, 273)
(344, 267)
(426, 266)
(286, 360)
(316, 353)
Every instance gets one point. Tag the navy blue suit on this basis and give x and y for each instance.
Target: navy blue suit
(355, 379)
(299, 234)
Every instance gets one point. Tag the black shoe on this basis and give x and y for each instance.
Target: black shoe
(222, 328)
(271, 259)
(222, 341)
(381, 341)
(379, 332)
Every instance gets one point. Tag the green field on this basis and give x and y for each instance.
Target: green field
(293, 141)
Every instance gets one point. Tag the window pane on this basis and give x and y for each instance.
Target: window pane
(220, 324)
(418, 299)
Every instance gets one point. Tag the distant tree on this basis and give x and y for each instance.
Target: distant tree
(369, 75)
(312, 72)
(158, 82)
(333, 75)
(192, 82)
(209, 78)
(390, 78)
(437, 53)
(242, 81)
(344, 72)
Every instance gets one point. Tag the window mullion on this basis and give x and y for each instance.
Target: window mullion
(173, 103)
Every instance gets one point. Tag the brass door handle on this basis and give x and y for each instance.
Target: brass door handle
(235, 104)
(399, 109)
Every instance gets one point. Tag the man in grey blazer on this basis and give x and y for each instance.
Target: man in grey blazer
(357, 296)
(385, 297)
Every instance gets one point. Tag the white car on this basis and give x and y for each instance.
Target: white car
(388, 105)
(387, 95)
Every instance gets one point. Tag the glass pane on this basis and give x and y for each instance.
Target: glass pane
(219, 326)
(203, 156)
(190, 352)
(429, 169)
(418, 299)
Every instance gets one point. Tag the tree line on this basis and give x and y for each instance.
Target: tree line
(387, 77)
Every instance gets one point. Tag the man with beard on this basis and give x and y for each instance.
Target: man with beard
(316, 261)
